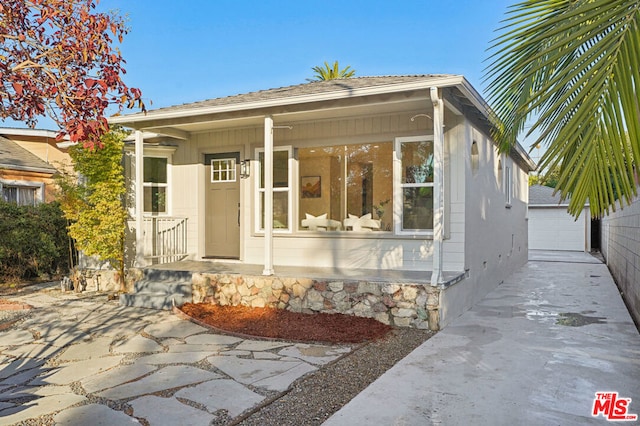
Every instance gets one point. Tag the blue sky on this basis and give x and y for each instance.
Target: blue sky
(180, 52)
(204, 49)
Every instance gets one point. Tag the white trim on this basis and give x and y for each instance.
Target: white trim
(289, 189)
(167, 203)
(139, 196)
(268, 196)
(228, 170)
(398, 185)
(51, 134)
(507, 183)
(438, 185)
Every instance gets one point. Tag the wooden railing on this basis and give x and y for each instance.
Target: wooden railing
(165, 239)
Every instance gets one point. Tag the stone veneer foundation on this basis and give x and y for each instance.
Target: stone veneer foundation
(398, 304)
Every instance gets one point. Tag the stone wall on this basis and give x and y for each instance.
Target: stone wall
(402, 305)
(620, 246)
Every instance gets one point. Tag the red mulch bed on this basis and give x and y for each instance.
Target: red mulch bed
(286, 325)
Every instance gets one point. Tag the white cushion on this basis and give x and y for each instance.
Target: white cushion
(322, 216)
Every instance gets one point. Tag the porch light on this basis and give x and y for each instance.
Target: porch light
(245, 168)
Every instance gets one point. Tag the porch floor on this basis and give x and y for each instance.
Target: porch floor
(371, 275)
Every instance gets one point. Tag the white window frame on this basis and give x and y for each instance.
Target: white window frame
(398, 186)
(507, 183)
(229, 170)
(288, 188)
(168, 156)
(37, 186)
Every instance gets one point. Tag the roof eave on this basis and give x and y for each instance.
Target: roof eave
(28, 169)
(133, 119)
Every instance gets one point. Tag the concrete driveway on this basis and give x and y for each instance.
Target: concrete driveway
(534, 351)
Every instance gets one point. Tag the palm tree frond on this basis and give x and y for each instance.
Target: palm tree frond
(573, 66)
(331, 72)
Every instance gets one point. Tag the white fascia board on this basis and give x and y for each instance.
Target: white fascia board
(51, 134)
(316, 97)
(145, 135)
(64, 145)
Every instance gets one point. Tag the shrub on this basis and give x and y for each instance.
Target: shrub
(34, 241)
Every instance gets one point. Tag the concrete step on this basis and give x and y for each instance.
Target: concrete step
(167, 275)
(160, 289)
(160, 301)
(169, 287)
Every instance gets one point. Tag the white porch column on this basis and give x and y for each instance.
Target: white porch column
(139, 179)
(438, 181)
(268, 196)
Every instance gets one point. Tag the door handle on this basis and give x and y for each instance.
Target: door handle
(238, 214)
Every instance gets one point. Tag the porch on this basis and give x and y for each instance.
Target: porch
(399, 298)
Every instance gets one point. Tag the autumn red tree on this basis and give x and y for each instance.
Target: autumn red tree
(57, 58)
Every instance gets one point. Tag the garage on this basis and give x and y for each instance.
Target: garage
(551, 227)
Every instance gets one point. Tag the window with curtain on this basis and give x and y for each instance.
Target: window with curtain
(20, 195)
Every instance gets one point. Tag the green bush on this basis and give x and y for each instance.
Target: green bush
(33, 241)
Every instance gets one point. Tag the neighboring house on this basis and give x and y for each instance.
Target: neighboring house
(371, 173)
(551, 227)
(28, 161)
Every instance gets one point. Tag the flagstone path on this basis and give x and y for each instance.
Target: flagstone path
(79, 359)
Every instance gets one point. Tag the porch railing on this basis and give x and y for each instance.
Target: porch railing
(165, 239)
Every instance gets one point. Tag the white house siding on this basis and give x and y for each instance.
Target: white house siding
(307, 248)
(345, 252)
(495, 242)
(454, 232)
(552, 228)
(620, 245)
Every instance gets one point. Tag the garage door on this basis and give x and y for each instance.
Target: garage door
(554, 229)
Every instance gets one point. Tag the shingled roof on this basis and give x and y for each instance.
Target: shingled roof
(14, 157)
(311, 88)
(543, 195)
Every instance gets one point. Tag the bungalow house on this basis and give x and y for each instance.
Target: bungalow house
(393, 178)
(28, 160)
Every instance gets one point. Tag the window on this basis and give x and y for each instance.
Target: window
(155, 185)
(414, 177)
(223, 170)
(507, 186)
(20, 195)
(281, 189)
(344, 181)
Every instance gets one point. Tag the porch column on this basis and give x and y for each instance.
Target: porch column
(139, 191)
(438, 184)
(268, 196)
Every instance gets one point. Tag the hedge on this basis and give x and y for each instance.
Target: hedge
(33, 241)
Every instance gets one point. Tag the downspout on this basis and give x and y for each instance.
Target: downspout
(438, 182)
(139, 163)
(268, 196)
